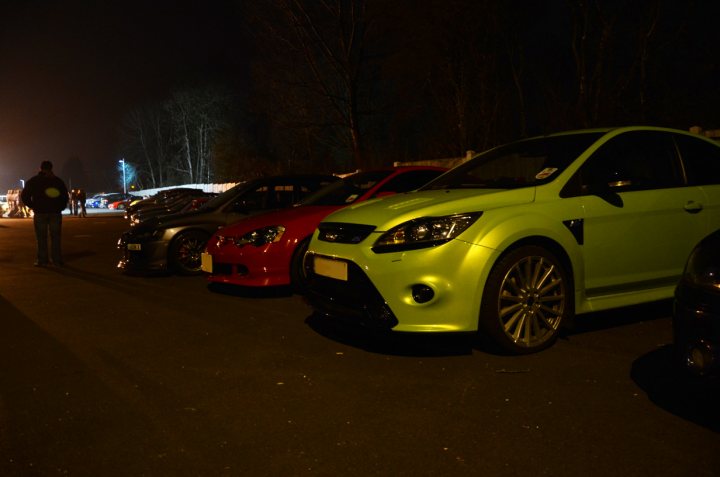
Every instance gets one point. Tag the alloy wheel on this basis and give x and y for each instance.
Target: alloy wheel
(532, 301)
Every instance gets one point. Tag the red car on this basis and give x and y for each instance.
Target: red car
(118, 204)
(267, 249)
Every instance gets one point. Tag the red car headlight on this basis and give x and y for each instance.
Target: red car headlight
(257, 238)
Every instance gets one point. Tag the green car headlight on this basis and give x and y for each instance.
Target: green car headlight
(257, 238)
(424, 232)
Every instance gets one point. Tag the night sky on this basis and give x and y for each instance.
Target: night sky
(69, 71)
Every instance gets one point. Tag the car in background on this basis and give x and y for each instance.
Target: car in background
(102, 201)
(4, 207)
(174, 204)
(136, 211)
(198, 202)
(267, 249)
(94, 201)
(174, 242)
(696, 310)
(516, 241)
(119, 204)
(113, 197)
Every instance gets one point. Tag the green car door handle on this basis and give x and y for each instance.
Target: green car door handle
(693, 207)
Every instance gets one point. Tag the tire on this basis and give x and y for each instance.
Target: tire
(527, 297)
(297, 269)
(185, 250)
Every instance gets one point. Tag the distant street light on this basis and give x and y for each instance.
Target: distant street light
(22, 181)
(122, 161)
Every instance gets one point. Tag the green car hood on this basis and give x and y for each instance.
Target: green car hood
(393, 210)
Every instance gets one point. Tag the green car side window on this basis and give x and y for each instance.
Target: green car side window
(637, 160)
(701, 160)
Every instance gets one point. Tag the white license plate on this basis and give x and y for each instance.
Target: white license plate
(206, 262)
(336, 269)
(135, 247)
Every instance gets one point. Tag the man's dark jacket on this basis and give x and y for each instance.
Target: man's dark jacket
(45, 193)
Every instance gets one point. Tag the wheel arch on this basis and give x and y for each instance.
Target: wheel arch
(296, 275)
(552, 247)
(172, 263)
(179, 231)
(548, 243)
(557, 249)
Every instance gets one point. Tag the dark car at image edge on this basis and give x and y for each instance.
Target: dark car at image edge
(696, 310)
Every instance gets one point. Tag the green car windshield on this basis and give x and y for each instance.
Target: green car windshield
(521, 164)
(347, 190)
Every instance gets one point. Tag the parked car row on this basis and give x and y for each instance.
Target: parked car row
(178, 203)
(511, 244)
(268, 249)
(174, 242)
(163, 203)
(108, 200)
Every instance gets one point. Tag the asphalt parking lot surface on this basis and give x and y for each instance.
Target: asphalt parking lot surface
(106, 374)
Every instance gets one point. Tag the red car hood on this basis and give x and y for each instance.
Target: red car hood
(303, 220)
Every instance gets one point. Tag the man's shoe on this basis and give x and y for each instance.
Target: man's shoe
(40, 264)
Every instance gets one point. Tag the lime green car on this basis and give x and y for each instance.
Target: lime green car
(524, 236)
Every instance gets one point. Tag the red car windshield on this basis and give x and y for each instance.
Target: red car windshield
(347, 190)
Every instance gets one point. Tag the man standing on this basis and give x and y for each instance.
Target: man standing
(47, 196)
(73, 202)
(81, 198)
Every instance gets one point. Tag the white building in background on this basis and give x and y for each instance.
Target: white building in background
(216, 188)
(448, 162)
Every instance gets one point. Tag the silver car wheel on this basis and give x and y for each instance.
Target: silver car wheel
(528, 295)
(185, 251)
(532, 301)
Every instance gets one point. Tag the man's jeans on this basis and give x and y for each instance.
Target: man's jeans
(48, 224)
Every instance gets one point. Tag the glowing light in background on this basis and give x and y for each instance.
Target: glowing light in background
(122, 162)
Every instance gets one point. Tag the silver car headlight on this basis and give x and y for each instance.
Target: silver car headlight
(257, 238)
(424, 232)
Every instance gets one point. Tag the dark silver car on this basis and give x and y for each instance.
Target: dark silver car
(173, 243)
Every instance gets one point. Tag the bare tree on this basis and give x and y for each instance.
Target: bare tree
(197, 116)
(315, 73)
(172, 142)
(470, 82)
(613, 45)
(146, 135)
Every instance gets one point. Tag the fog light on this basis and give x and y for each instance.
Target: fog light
(701, 357)
(422, 293)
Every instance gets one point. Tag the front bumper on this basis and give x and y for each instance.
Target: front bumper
(356, 299)
(143, 256)
(250, 266)
(435, 289)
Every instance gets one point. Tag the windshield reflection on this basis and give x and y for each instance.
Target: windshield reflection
(520, 164)
(347, 190)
